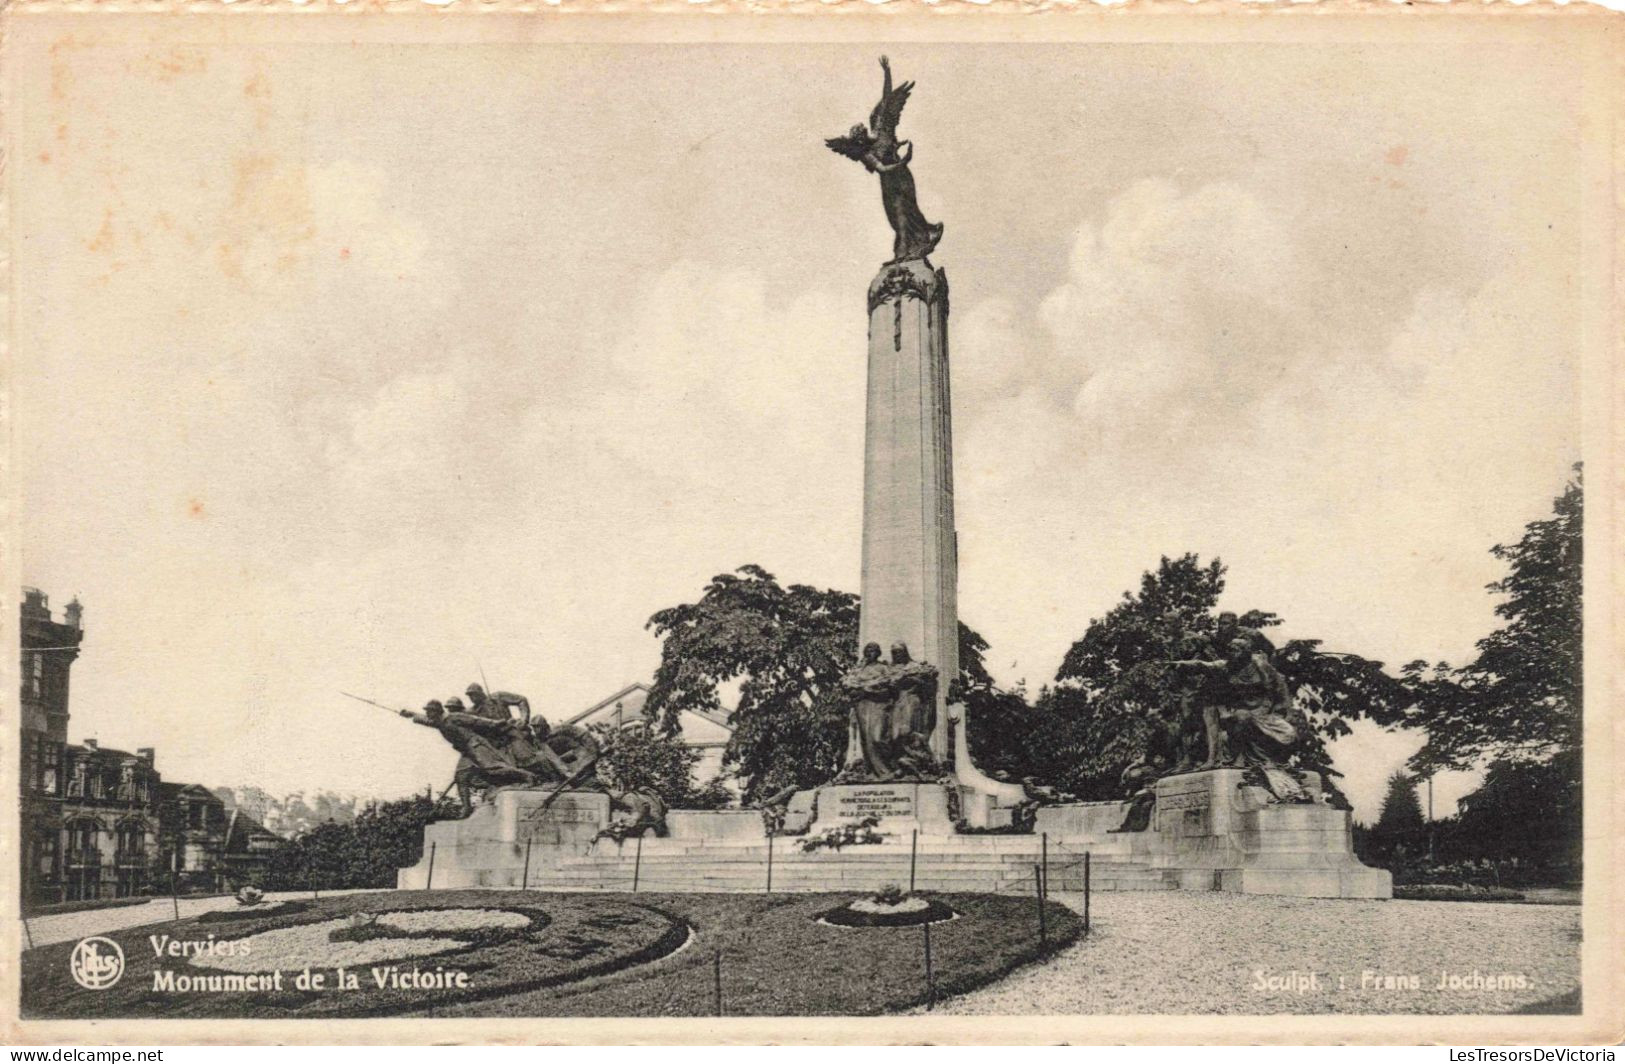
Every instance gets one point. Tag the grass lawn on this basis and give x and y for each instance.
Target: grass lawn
(537, 954)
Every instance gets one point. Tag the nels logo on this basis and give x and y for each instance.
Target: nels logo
(96, 963)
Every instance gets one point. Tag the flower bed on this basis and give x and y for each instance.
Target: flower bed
(860, 833)
(580, 955)
(910, 913)
(402, 952)
(252, 912)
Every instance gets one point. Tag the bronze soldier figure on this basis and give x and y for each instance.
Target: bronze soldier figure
(477, 739)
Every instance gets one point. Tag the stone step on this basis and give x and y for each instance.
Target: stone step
(849, 857)
(702, 884)
(838, 874)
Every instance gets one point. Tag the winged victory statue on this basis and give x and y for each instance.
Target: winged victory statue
(879, 150)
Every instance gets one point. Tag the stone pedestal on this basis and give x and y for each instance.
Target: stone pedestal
(488, 848)
(901, 808)
(1209, 832)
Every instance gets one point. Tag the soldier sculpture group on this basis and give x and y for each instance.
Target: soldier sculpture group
(1232, 708)
(504, 744)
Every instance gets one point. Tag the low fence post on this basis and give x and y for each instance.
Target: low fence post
(913, 857)
(1043, 841)
(524, 880)
(930, 976)
(1086, 893)
(428, 880)
(29, 932)
(637, 863)
(174, 886)
(1038, 895)
(769, 889)
(716, 978)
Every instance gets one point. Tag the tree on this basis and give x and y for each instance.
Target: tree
(1521, 698)
(1527, 811)
(1400, 820)
(364, 853)
(1113, 688)
(786, 648)
(640, 757)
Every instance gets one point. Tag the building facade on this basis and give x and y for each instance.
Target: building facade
(192, 824)
(97, 822)
(249, 848)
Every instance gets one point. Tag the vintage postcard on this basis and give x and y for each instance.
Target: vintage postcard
(914, 524)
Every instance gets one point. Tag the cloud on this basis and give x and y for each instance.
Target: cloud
(1194, 385)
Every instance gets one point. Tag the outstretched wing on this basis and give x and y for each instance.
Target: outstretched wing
(851, 147)
(887, 113)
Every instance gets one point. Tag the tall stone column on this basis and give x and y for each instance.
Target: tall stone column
(910, 563)
(910, 580)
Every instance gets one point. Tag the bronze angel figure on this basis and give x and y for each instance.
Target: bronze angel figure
(881, 152)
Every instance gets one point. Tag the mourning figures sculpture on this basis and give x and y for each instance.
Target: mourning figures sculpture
(880, 152)
(893, 710)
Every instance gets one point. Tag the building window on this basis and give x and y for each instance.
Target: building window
(33, 673)
(82, 841)
(49, 757)
(131, 840)
(45, 847)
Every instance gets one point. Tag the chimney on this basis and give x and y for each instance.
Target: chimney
(145, 753)
(90, 744)
(74, 613)
(35, 604)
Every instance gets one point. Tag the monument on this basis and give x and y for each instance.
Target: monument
(910, 576)
(1239, 819)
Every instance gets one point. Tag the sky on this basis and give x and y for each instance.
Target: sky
(384, 368)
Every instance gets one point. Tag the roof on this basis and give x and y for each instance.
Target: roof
(719, 719)
(242, 828)
(611, 700)
(103, 751)
(170, 790)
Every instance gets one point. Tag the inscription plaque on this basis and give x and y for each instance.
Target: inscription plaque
(856, 803)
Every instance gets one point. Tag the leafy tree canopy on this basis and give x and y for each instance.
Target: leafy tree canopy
(785, 648)
(1530, 810)
(1113, 687)
(1401, 813)
(1521, 697)
(640, 757)
(364, 853)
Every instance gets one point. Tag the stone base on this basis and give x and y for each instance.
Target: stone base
(488, 847)
(1207, 832)
(716, 825)
(901, 808)
(1210, 832)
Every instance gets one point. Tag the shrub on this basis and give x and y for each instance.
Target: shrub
(890, 894)
(1454, 892)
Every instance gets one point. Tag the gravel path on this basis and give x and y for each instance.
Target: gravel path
(64, 927)
(1179, 952)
